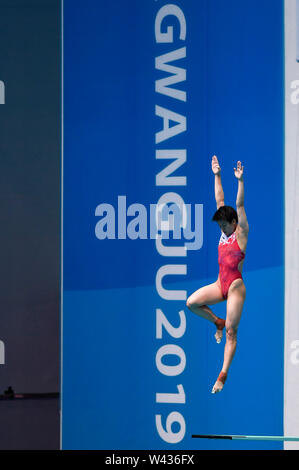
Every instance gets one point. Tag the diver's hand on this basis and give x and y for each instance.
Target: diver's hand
(215, 166)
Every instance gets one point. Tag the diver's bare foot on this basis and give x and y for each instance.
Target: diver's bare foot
(219, 384)
(220, 324)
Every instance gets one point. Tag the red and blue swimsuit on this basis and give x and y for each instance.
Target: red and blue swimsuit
(229, 257)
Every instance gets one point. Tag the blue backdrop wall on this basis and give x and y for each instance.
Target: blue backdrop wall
(230, 60)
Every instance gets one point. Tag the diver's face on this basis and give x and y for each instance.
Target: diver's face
(226, 227)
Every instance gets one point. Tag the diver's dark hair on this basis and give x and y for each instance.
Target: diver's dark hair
(227, 213)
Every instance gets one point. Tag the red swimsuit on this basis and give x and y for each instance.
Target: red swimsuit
(229, 257)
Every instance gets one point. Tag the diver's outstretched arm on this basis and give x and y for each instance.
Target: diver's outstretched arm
(242, 218)
(219, 194)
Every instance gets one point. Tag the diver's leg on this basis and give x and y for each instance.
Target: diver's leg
(235, 301)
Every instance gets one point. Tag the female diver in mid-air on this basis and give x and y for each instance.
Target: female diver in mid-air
(229, 285)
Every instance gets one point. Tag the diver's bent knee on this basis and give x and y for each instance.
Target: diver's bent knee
(191, 303)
